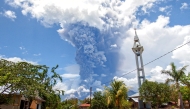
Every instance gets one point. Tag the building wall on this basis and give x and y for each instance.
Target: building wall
(8, 107)
(15, 105)
(35, 104)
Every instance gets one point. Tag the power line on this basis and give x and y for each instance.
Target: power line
(151, 61)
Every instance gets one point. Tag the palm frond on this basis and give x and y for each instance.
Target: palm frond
(184, 68)
(169, 80)
(173, 67)
(167, 72)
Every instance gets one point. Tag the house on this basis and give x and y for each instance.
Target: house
(134, 99)
(21, 102)
(36, 103)
(84, 106)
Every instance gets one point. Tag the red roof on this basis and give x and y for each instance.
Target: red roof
(85, 105)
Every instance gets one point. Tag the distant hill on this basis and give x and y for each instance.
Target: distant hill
(131, 92)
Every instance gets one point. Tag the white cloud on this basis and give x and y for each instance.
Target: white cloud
(115, 12)
(72, 69)
(157, 38)
(130, 83)
(21, 48)
(9, 14)
(17, 59)
(155, 75)
(182, 54)
(114, 46)
(70, 75)
(39, 54)
(152, 75)
(147, 7)
(163, 9)
(60, 86)
(71, 78)
(98, 89)
(184, 6)
(74, 93)
(103, 75)
(166, 9)
(96, 83)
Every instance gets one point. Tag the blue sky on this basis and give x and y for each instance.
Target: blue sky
(27, 38)
(91, 41)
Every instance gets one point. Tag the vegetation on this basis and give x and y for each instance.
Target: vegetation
(174, 93)
(116, 96)
(29, 80)
(71, 103)
(35, 80)
(99, 101)
(155, 92)
(176, 75)
(185, 80)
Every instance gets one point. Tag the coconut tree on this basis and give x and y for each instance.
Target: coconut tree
(175, 77)
(117, 94)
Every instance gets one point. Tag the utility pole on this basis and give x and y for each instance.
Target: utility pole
(90, 96)
(138, 49)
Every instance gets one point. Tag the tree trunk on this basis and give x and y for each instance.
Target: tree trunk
(181, 101)
(118, 103)
(180, 97)
(157, 106)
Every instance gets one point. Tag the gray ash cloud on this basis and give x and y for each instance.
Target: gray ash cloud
(94, 54)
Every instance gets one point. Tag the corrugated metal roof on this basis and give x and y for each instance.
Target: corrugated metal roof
(134, 95)
(85, 105)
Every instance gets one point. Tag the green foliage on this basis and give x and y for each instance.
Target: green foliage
(155, 92)
(126, 104)
(70, 103)
(116, 96)
(176, 76)
(99, 101)
(186, 80)
(5, 99)
(174, 93)
(30, 80)
(185, 92)
(86, 100)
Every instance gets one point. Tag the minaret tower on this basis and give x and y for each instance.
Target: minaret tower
(138, 49)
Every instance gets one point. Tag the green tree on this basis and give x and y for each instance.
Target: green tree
(86, 100)
(71, 103)
(174, 93)
(185, 92)
(99, 101)
(186, 80)
(29, 80)
(155, 92)
(176, 75)
(117, 95)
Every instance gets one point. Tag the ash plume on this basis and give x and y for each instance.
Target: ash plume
(96, 51)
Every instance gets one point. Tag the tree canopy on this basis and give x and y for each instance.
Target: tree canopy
(116, 96)
(29, 80)
(99, 101)
(176, 76)
(155, 92)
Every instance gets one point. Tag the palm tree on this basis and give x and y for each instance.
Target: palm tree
(117, 94)
(175, 77)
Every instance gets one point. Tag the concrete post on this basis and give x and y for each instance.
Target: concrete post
(138, 49)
